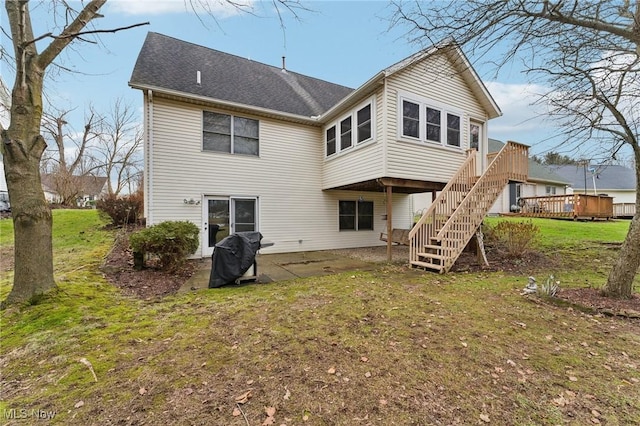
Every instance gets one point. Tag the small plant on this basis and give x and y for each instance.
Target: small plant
(171, 241)
(122, 210)
(550, 287)
(516, 237)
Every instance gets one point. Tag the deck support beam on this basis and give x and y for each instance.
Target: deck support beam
(389, 191)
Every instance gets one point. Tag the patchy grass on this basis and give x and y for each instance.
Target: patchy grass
(388, 347)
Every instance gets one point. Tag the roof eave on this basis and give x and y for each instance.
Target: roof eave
(353, 96)
(228, 104)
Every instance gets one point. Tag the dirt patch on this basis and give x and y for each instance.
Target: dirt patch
(148, 283)
(592, 299)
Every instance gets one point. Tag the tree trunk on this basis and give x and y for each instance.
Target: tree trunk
(620, 281)
(33, 275)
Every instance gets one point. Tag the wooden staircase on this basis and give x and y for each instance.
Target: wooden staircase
(444, 230)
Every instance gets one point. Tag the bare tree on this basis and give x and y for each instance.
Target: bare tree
(23, 145)
(65, 170)
(585, 52)
(118, 149)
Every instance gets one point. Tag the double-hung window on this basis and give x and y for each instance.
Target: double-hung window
(356, 215)
(349, 131)
(421, 120)
(229, 133)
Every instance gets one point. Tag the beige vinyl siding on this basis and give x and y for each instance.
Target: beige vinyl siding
(294, 212)
(433, 79)
(361, 162)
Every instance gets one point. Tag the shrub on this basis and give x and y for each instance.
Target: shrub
(515, 237)
(122, 210)
(171, 241)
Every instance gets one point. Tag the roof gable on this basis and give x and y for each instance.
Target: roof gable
(168, 63)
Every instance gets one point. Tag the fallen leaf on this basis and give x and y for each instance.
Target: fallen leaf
(242, 399)
(511, 363)
(485, 418)
(268, 421)
(383, 402)
(236, 412)
(287, 394)
(271, 411)
(573, 378)
(142, 391)
(331, 370)
(560, 401)
(305, 417)
(364, 359)
(367, 374)
(464, 344)
(595, 413)
(79, 404)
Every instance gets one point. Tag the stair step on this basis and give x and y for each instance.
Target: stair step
(432, 256)
(431, 247)
(433, 266)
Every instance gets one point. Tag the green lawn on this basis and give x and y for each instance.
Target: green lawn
(390, 347)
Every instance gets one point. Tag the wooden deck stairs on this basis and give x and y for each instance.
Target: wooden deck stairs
(444, 230)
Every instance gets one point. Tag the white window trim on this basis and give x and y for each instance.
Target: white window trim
(444, 110)
(353, 113)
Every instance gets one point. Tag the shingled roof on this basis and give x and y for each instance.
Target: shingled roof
(609, 177)
(166, 63)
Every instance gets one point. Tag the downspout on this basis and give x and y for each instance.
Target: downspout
(149, 203)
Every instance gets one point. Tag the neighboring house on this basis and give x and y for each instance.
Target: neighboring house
(618, 182)
(90, 188)
(236, 145)
(542, 181)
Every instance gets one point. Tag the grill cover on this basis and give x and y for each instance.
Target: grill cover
(232, 257)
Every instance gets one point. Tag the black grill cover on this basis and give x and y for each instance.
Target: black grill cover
(232, 257)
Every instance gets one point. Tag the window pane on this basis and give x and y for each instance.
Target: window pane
(347, 207)
(347, 223)
(347, 215)
(331, 140)
(365, 215)
(218, 123)
(245, 127)
(364, 123)
(345, 133)
(453, 130)
(216, 142)
(245, 215)
(433, 133)
(245, 146)
(410, 110)
(410, 119)
(474, 138)
(433, 116)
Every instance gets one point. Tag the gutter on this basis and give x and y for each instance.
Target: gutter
(229, 104)
(150, 164)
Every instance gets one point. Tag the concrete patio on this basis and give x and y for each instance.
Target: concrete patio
(287, 266)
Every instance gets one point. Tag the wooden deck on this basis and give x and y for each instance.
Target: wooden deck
(624, 210)
(574, 206)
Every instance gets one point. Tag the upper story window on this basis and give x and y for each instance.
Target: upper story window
(346, 139)
(229, 133)
(349, 131)
(421, 120)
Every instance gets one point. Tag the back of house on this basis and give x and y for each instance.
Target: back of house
(236, 145)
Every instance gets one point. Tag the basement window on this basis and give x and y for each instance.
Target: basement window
(356, 215)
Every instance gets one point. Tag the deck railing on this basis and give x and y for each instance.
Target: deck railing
(571, 206)
(624, 209)
(443, 231)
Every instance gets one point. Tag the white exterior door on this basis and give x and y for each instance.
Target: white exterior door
(223, 216)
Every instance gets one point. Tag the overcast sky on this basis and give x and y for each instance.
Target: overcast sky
(341, 42)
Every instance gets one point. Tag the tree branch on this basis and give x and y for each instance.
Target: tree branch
(81, 33)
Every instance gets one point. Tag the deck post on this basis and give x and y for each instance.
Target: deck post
(389, 222)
